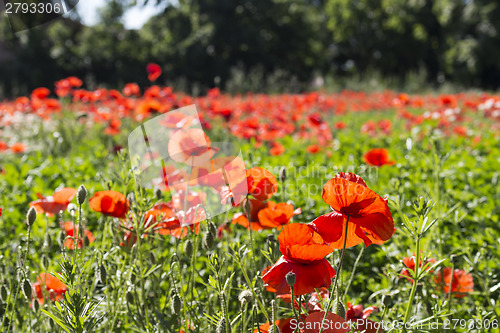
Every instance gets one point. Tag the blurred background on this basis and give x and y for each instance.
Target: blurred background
(260, 45)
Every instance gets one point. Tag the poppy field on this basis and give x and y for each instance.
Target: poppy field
(314, 213)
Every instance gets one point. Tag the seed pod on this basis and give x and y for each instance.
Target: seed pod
(282, 174)
(245, 297)
(290, 278)
(208, 241)
(31, 216)
(102, 274)
(27, 288)
(188, 248)
(176, 304)
(4, 293)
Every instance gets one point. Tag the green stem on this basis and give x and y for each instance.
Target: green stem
(334, 287)
(293, 308)
(415, 283)
(245, 274)
(451, 284)
(354, 270)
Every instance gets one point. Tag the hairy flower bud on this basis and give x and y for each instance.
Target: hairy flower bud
(130, 296)
(27, 288)
(208, 241)
(81, 195)
(31, 217)
(282, 174)
(102, 274)
(386, 300)
(340, 308)
(4, 293)
(188, 248)
(176, 304)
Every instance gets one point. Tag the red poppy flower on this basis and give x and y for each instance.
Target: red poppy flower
(409, 263)
(40, 93)
(370, 220)
(266, 215)
(154, 71)
(332, 324)
(276, 214)
(462, 282)
(313, 149)
(357, 312)
(56, 203)
(3, 146)
(378, 157)
(18, 148)
(277, 149)
(284, 325)
(261, 183)
(110, 203)
(69, 243)
(190, 146)
(54, 288)
(303, 253)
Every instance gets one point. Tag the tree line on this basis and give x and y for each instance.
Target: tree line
(206, 43)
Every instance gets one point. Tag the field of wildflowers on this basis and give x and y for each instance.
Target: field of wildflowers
(345, 212)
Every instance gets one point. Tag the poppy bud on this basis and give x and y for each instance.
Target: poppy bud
(27, 288)
(4, 293)
(86, 241)
(81, 195)
(31, 217)
(102, 274)
(44, 261)
(130, 296)
(61, 238)
(386, 299)
(340, 309)
(245, 297)
(221, 326)
(36, 305)
(188, 248)
(290, 278)
(208, 241)
(282, 174)
(212, 228)
(271, 238)
(47, 241)
(152, 257)
(176, 304)
(159, 194)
